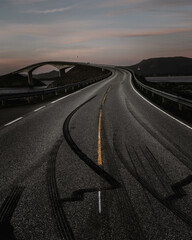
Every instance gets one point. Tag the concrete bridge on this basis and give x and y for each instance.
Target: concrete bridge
(61, 66)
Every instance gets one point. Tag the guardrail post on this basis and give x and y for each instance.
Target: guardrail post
(65, 90)
(29, 99)
(56, 93)
(180, 107)
(42, 97)
(2, 103)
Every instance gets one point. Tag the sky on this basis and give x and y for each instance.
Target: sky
(114, 32)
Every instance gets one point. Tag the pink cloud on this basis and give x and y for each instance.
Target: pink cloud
(63, 33)
(25, 1)
(114, 3)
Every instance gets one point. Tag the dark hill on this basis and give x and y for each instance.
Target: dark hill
(77, 74)
(48, 75)
(174, 66)
(17, 80)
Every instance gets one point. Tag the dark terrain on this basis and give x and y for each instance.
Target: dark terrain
(167, 66)
(171, 66)
(17, 81)
(77, 74)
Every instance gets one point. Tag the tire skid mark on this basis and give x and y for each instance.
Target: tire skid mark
(164, 201)
(6, 211)
(179, 192)
(132, 218)
(157, 168)
(137, 174)
(79, 195)
(63, 226)
(173, 148)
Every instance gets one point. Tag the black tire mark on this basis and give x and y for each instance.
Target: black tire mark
(164, 178)
(6, 211)
(173, 148)
(136, 172)
(139, 160)
(63, 226)
(98, 170)
(168, 204)
(134, 230)
(179, 192)
(157, 168)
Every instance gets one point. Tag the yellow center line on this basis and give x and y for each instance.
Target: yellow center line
(99, 160)
(103, 101)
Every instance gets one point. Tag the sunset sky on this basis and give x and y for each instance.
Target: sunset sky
(120, 32)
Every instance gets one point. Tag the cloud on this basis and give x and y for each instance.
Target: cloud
(114, 3)
(63, 33)
(25, 1)
(156, 33)
(144, 3)
(48, 11)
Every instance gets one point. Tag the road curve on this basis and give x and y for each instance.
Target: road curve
(101, 163)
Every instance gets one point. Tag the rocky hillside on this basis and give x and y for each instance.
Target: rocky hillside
(173, 66)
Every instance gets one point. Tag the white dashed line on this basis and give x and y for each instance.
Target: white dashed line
(160, 108)
(57, 100)
(36, 110)
(13, 121)
(60, 99)
(80, 90)
(99, 198)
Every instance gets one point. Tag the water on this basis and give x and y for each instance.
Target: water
(174, 79)
(47, 82)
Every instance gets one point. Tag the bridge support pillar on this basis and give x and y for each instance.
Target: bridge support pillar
(2, 103)
(30, 79)
(61, 72)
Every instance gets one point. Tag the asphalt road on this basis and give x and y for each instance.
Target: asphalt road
(102, 163)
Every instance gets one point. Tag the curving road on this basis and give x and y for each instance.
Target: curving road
(101, 163)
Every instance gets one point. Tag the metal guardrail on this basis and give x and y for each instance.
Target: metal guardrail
(179, 100)
(44, 92)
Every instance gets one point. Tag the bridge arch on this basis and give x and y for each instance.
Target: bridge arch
(61, 66)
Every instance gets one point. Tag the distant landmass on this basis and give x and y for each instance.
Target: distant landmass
(17, 80)
(48, 75)
(164, 66)
(76, 74)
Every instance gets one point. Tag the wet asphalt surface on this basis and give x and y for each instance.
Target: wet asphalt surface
(51, 183)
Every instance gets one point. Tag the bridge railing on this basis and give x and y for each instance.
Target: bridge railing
(43, 92)
(180, 101)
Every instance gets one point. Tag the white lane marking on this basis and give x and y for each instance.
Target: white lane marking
(13, 121)
(99, 198)
(66, 96)
(7, 124)
(59, 99)
(36, 110)
(184, 124)
(83, 89)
